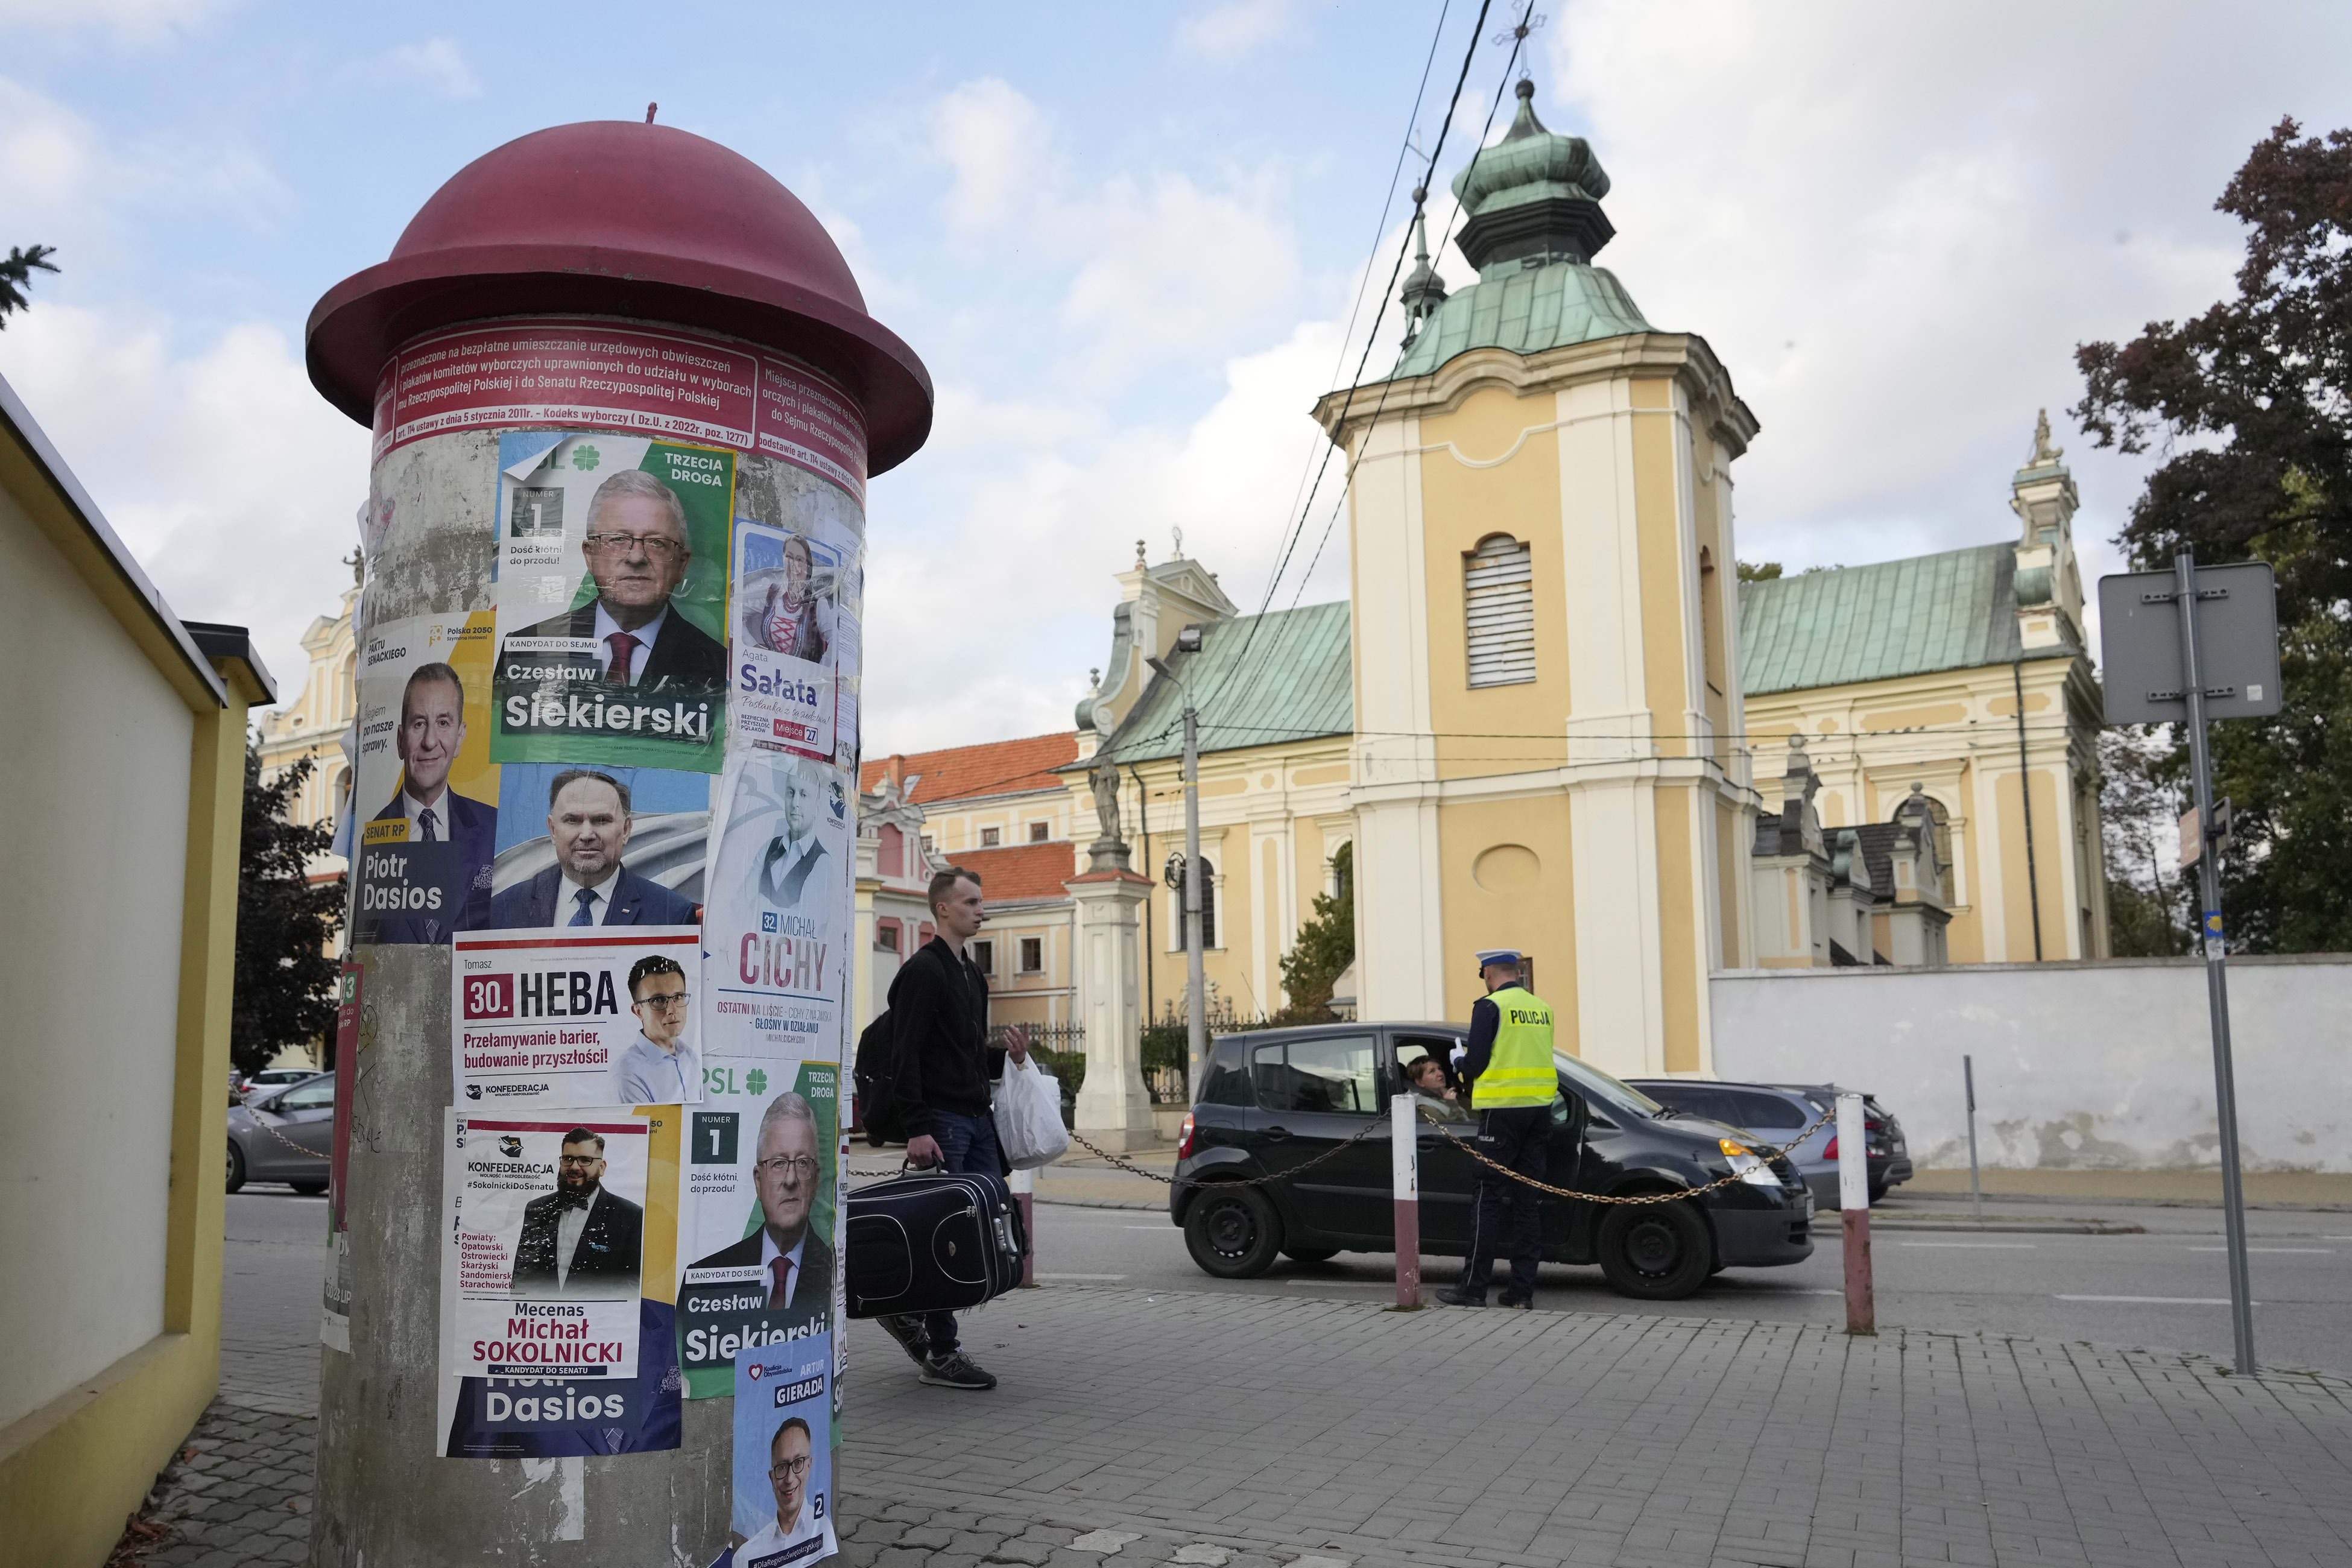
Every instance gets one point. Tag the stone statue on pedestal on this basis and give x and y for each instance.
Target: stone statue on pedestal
(1109, 852)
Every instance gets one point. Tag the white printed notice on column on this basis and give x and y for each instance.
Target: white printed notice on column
(599, 1015)
(776, 909)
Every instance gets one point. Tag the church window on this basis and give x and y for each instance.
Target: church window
(990, 838)
(1942, 817)
(983, 957)
(1208, 910)
(1498, 591)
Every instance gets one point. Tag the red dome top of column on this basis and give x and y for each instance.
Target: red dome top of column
(612, 218)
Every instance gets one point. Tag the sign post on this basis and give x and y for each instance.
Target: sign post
(1853, 1213)
(1404, 1183)
(2185, 646)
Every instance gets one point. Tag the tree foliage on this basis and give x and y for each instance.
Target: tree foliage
(1326, 945)
(17, 274)
(1759, 572)
(2249, 406)
(285, 977)
(2140, 802)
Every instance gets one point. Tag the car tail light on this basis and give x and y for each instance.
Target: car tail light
(1184, 1139)
(1831, 1153)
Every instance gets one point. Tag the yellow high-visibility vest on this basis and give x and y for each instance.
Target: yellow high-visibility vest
(1520, 1071)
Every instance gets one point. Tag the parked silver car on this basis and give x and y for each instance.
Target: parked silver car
(269, 1080)
(284, 1135)
(1771, 1112)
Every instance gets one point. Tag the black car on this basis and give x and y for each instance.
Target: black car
(1272, 1100)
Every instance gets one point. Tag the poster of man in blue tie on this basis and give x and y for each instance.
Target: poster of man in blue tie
(424, 856)
(611, 583)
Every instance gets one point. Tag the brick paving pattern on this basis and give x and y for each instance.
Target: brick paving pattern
(1136, 1427)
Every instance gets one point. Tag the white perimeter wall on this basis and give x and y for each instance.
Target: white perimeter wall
(93, 849)
(2102, 1066)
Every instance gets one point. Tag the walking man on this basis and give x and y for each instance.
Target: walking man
(938, 1018)
(1512, 1085)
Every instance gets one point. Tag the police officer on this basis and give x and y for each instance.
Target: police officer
(1512, 1085)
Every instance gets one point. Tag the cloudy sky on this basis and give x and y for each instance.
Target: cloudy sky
(1126, 241)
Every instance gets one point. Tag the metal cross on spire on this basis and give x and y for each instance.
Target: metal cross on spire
(1517, 36)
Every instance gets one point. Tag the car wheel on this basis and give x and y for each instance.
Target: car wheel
(1310, 1253)
(1656, 1252)
(1877, 1191)
(308, 1189)
(235, 1167)
(1233, 1233)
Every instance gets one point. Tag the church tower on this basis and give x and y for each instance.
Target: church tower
(1549, 751)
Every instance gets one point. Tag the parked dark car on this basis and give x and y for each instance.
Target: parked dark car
(285, 1136)
(1272, 1099)
(1775, 1112)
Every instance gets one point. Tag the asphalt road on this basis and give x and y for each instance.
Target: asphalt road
(2164, 1289)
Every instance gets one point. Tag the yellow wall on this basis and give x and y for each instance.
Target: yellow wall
(111, 1414)
(1658, 503)
(1680, 928)
(1523, 846)
(1463, 504)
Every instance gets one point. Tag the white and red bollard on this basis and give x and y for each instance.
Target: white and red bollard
(1024, 1190)
(1404, 1180)
(1853, 1211)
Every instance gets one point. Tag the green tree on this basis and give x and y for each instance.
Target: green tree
(2139, 804)
(285, 978)
(2249, 406)
(17, 275)
(1326, 945)
(1753, 571)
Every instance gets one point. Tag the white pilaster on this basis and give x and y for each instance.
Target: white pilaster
(1113, 1109)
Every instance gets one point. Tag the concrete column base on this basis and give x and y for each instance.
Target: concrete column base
(1112, 1103)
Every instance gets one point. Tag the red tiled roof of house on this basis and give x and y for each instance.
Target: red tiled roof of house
(964, 773)
(1017, 871)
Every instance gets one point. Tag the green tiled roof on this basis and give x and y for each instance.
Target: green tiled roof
(1296, 684)
(1956, 610)
(1526, 312)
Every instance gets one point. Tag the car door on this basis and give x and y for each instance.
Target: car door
(1447, 1174)
(1313, 1095)
(304, 1118)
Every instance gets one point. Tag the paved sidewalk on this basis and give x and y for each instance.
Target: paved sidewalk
(1135, 1427)
(1275, 1429)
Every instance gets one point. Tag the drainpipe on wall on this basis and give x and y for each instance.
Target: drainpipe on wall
(2025, 796)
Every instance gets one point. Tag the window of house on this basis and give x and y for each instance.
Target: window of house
(1033, 955)
(983, 957)
(885, 936)
(930, 848)
(1500, 601)
(990, 837)
(1038, 830)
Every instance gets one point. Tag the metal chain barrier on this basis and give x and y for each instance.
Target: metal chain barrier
(289, 1142)
(1764, 1152)
(1639, 1198)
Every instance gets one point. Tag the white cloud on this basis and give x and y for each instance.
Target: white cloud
(439, 64)
(1233, 29)
(224, 473)
(134, 22)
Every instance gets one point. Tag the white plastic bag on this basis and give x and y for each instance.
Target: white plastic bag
(1029, 1116)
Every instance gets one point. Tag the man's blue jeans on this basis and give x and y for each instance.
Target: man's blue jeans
(966, 1144)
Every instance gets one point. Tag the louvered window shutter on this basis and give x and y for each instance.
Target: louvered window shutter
(1498, 585)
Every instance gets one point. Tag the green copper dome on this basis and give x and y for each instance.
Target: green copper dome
(1532, 225)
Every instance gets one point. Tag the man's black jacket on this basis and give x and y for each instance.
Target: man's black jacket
(939, 1031)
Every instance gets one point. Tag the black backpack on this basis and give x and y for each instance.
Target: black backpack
(875, 1074)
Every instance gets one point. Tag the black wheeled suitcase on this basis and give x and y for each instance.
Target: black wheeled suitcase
(932, 1243)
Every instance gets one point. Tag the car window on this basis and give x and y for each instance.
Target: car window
(1686, 1099)
(1326, 1075)
(315, 1094)
(1595, 1084)
(1761, 1112)
(1410, 1049)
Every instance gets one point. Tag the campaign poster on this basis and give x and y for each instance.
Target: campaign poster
(776, 908)
(758, 1215)
(612, 595)
(632, 840)
(335, 1313)
(784, 1455)
(591, 1017)
(549, 1405)
(423, 772)
(793, 636)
